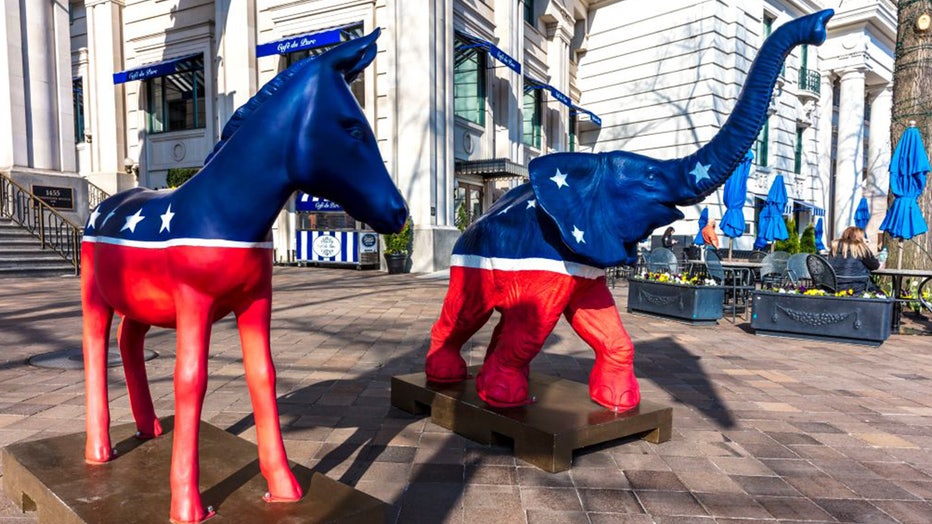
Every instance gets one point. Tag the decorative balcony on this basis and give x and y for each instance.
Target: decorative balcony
(810, 84)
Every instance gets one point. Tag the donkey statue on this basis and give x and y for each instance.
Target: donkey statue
(186, 258)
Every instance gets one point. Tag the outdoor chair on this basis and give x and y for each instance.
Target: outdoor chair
(756, 256)
(797, 273)
(821, 273)
(662, 260)
(773, 267)
(738, 283)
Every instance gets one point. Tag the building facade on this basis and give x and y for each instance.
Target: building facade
(462, 95)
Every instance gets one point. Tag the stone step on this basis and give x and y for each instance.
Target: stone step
(21, 255)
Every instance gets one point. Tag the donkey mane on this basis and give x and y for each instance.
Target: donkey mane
(254, 103)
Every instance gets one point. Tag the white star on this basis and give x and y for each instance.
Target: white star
(578, 235)
(167, 220)
(132, 220)
(94, 215)
(108, 217)
(701, 172)
(559, 179)
(531, 203)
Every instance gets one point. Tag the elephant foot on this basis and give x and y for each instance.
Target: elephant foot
(502, 387)
(187, 510)
(614, 387)
(445, 367)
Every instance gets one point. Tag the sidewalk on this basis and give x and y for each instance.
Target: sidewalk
(764, 429)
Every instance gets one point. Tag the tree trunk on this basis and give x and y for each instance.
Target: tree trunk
(912, 101)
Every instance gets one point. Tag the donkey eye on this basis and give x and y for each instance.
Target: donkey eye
(356, 133)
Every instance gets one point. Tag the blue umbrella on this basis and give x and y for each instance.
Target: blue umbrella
(736, 188)
(819, 245)
(771, 226)
(703, 221)
(908, 168)
(863, 214)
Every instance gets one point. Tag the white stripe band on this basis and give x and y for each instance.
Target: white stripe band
(176, 242)
(527, 264)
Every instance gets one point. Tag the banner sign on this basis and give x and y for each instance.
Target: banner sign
(299, 43)
(167, 67)
(308, 203)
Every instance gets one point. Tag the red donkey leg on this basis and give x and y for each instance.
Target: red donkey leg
(466, 308)
(131, 337)
(97, 319)
(260, 377)
(193, 338)
(593, 315)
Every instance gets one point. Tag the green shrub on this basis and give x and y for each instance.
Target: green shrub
(180, 175)
(807, 240)
(400, 242)
(791, 244)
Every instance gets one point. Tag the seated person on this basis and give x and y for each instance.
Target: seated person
(853, 261)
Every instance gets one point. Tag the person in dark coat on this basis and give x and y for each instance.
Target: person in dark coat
(853, 261)
(668, 241)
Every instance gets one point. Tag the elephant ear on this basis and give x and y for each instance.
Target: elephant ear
(570, 190)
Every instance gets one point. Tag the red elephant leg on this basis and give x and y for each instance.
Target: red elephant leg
(466, 308)
(193, 338)
(97, 319)
(131, 337)
(260, 377)
(532, 302)
(593, 315)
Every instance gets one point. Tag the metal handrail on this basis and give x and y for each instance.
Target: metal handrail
(54, 231)
(95, 195)
(810, 80)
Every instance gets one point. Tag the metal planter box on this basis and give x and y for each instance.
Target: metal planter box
(853, 320)
(694, 304)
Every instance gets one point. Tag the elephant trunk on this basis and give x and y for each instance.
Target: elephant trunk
(699, 174)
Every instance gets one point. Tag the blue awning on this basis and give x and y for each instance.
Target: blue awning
(301, 42)
(308, 203)
(492, 50)
(167, 67)
(811, 208)
(594, 118)
(556, 93)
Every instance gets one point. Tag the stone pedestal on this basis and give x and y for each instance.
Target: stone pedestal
(50, 477)
(545, 433)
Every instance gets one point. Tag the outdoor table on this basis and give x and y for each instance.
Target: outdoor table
(753, 268)
(897, 276)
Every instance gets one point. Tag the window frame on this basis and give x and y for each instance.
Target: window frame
(189, 73)
(77, 95)
(536, 116)
(465, 52)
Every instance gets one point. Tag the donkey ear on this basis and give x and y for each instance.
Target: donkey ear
(350, 58)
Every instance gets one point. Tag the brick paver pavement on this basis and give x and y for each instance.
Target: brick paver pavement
(765, 429)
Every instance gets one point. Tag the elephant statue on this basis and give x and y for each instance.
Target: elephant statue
(542, 249)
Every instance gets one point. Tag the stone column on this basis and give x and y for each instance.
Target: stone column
(878, 157)
(849, 161)
(508, 87)
(556, 114)
(236, 57)
(105, 114)
(824, 137)
(423, 84)
(6, 100)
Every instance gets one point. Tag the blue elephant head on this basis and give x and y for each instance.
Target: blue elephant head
(603, 204)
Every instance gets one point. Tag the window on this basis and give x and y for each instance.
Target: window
(573, 121)
(760, 147)
(358, 87)
(469, 81)
(529, 11)
(175, 102)
(532, 116)
(77, 94)
(798, 153)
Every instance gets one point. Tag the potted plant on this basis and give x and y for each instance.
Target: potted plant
(690, 298)
(398, 249)
(857, 318)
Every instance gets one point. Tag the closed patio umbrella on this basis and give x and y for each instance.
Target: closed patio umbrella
(862, 214)
(734, 195)
(908, 168)
(819, 233)
(771, 226)
(703, 221)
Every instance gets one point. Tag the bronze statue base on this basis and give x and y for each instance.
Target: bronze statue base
(544, 433)
(50, 477)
